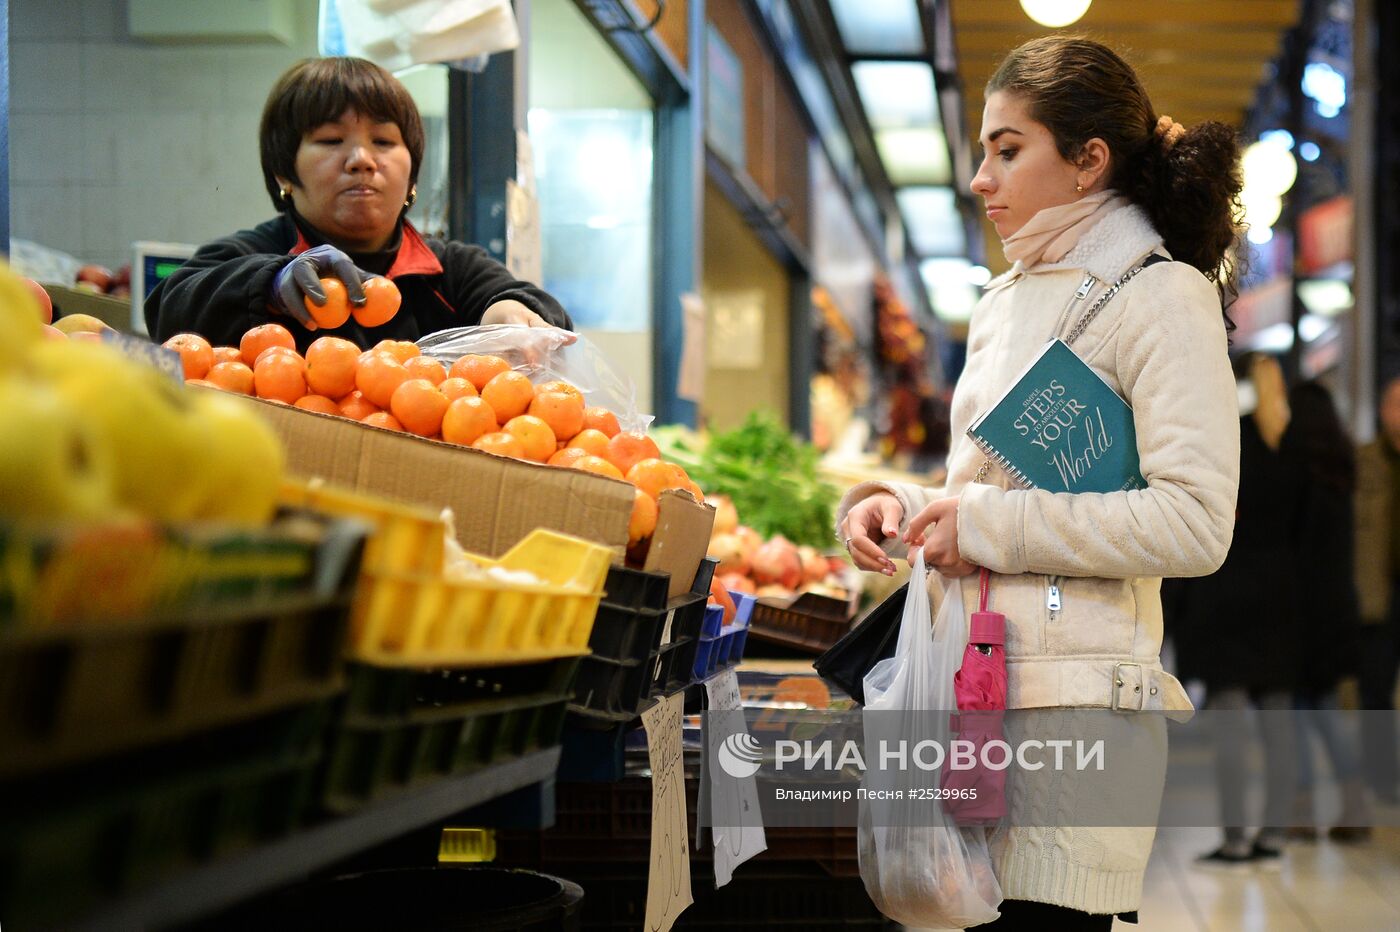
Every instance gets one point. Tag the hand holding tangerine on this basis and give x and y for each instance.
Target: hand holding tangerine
(336, 309)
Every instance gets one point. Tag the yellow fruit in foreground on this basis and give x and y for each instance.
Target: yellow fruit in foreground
(147, 422)
(20, 326)
(245, 461)
(80, 323)
(53, 467)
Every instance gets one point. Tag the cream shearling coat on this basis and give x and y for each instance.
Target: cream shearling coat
(1161, 344)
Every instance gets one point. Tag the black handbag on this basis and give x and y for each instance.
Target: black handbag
(873, 640)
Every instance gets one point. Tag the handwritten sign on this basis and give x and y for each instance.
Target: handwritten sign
(668, 883)
(738, 822)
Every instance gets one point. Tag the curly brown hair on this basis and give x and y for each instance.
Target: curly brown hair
(317, 90)
(1189, 183)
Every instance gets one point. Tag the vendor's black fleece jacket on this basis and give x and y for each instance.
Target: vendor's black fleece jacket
(222, 291)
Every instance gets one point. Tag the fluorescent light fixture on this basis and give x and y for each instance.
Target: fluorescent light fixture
(1326, 86)
(896, 95)
(1311, 327)
(950, 291)
(1326, 297)
(879, 27)
(1275, 338)
(1055, 13)
(932, 218)
(915, 156)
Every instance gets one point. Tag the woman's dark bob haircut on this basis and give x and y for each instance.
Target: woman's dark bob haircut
(317, 90)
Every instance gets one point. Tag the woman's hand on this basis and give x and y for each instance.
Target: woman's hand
(302, 277)
(940, 544)
(513, 312)
(870, 521)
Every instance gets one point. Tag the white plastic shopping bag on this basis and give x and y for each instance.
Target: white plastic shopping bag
(919, 867)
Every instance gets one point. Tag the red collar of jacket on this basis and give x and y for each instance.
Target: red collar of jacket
(414, 256)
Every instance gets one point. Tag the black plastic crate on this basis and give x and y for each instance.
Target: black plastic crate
(704, 575)
(623, 633)
(615, 686)
(406, 694)
(686, 616)
(682, 670)
(666, 668)
(71, 838)
(370, 758)
(75, 691)
(594, 746)
(629, 588)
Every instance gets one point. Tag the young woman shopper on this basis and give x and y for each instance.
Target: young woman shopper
(1084, 182)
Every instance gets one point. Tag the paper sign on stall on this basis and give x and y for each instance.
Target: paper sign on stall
(668, 883)
(738, 820)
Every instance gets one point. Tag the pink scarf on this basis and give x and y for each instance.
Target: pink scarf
(1054, 231)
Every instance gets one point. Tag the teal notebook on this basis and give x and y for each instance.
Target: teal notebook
(1060, 427)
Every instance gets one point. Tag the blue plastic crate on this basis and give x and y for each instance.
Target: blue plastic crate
(714, 620)
(743, 603)
(706, 658)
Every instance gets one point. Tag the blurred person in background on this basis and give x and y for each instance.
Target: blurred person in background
(1378, 583)
(1238, 629)
(1318, 443)
(341, 142)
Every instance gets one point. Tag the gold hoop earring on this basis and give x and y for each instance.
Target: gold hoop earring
(286, 195)
(412, 197)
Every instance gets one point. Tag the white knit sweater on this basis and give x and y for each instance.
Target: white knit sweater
(1161, 344)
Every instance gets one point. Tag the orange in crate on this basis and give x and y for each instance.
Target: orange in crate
(478, 370)
(509, 395)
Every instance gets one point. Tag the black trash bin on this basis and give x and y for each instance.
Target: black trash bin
(436, 899)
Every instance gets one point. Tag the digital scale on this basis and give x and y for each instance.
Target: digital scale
(150, 263)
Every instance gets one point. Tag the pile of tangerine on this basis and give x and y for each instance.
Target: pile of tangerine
(479, 402)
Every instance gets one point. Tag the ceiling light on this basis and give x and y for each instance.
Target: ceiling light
(1269, 168)
(1055, 13)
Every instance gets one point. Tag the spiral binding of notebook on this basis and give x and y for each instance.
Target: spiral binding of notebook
(1005, 465)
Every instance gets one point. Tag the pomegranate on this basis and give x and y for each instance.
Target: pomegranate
(777, 562)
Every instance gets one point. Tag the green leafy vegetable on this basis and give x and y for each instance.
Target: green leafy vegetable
(770, 476)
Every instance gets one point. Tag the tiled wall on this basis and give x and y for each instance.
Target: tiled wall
(114, 140)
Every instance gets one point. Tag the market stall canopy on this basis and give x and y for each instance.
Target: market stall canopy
(1200, 59)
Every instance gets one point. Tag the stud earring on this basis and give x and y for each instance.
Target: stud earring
(1079, 188)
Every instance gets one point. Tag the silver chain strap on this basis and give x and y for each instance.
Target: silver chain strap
(1073, 335)
(1104, 298)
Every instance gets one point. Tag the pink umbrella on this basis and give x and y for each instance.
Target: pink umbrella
(980, 687)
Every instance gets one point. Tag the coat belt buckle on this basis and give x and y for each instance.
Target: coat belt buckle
(1127, 687)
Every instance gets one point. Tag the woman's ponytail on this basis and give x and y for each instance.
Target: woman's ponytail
(1188, 180)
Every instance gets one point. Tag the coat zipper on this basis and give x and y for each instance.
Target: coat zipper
(1052, 596)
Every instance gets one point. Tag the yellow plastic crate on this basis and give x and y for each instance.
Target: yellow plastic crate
(410, 619)
(467, 846)
(405, 538)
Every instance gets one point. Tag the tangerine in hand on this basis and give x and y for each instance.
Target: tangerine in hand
(336, 311)
(382, 300)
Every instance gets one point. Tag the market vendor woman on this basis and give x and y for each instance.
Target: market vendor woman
(341, 143)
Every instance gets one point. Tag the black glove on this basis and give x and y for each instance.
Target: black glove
(302, 276)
